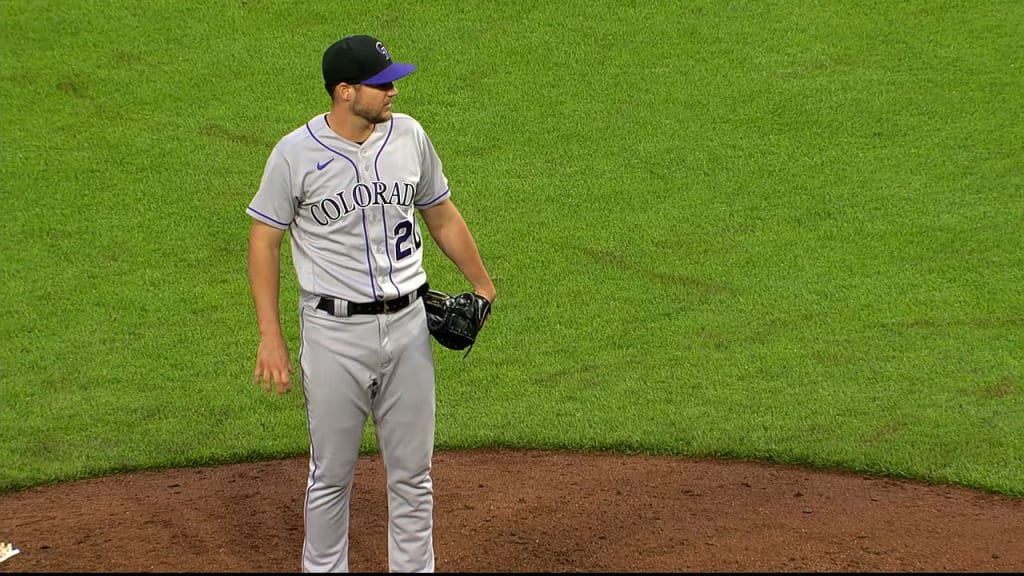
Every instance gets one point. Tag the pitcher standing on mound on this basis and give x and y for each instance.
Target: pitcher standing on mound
(346, 185)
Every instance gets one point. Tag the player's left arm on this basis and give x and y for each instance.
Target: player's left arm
(452, 235)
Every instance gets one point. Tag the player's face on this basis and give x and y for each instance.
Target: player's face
(373, 103)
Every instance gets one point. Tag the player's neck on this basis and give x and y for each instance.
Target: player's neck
(351, 128)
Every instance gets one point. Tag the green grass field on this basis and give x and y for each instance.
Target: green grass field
(781, 230)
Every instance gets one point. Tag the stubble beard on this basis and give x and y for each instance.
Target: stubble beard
(373, 116)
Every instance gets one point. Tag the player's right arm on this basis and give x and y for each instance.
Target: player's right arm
(273, 362)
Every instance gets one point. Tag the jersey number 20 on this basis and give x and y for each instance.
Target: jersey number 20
(403, 230)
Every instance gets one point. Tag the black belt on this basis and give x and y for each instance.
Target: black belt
(338, 307)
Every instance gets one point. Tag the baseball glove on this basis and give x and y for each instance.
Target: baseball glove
(454, 321)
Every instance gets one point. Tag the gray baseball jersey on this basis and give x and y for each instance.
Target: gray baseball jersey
(350, 209)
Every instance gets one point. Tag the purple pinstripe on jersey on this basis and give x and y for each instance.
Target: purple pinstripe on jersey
(383, 218)
(362, 211)
(329, 149)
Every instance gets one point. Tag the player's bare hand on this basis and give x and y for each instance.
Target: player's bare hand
(273, 366)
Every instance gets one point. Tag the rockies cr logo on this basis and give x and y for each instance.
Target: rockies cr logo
(383, 50)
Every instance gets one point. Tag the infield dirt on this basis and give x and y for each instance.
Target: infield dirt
(507, 511)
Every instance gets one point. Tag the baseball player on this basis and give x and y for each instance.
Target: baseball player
(347, 185)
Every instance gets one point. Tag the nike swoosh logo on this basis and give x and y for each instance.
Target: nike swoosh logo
(322, 165)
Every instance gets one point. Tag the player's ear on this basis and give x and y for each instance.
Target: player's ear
(336, 91)
(344, 92)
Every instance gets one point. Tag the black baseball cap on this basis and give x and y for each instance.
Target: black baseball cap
(361, 59)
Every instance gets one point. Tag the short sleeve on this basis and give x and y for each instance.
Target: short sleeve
(433, 188)
(274, 202)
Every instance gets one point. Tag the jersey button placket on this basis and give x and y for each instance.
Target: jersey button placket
(364, 161)
(381, 249)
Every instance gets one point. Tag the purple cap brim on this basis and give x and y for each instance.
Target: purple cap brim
(390, 74)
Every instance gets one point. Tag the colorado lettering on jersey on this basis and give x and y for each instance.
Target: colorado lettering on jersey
(362, 195)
